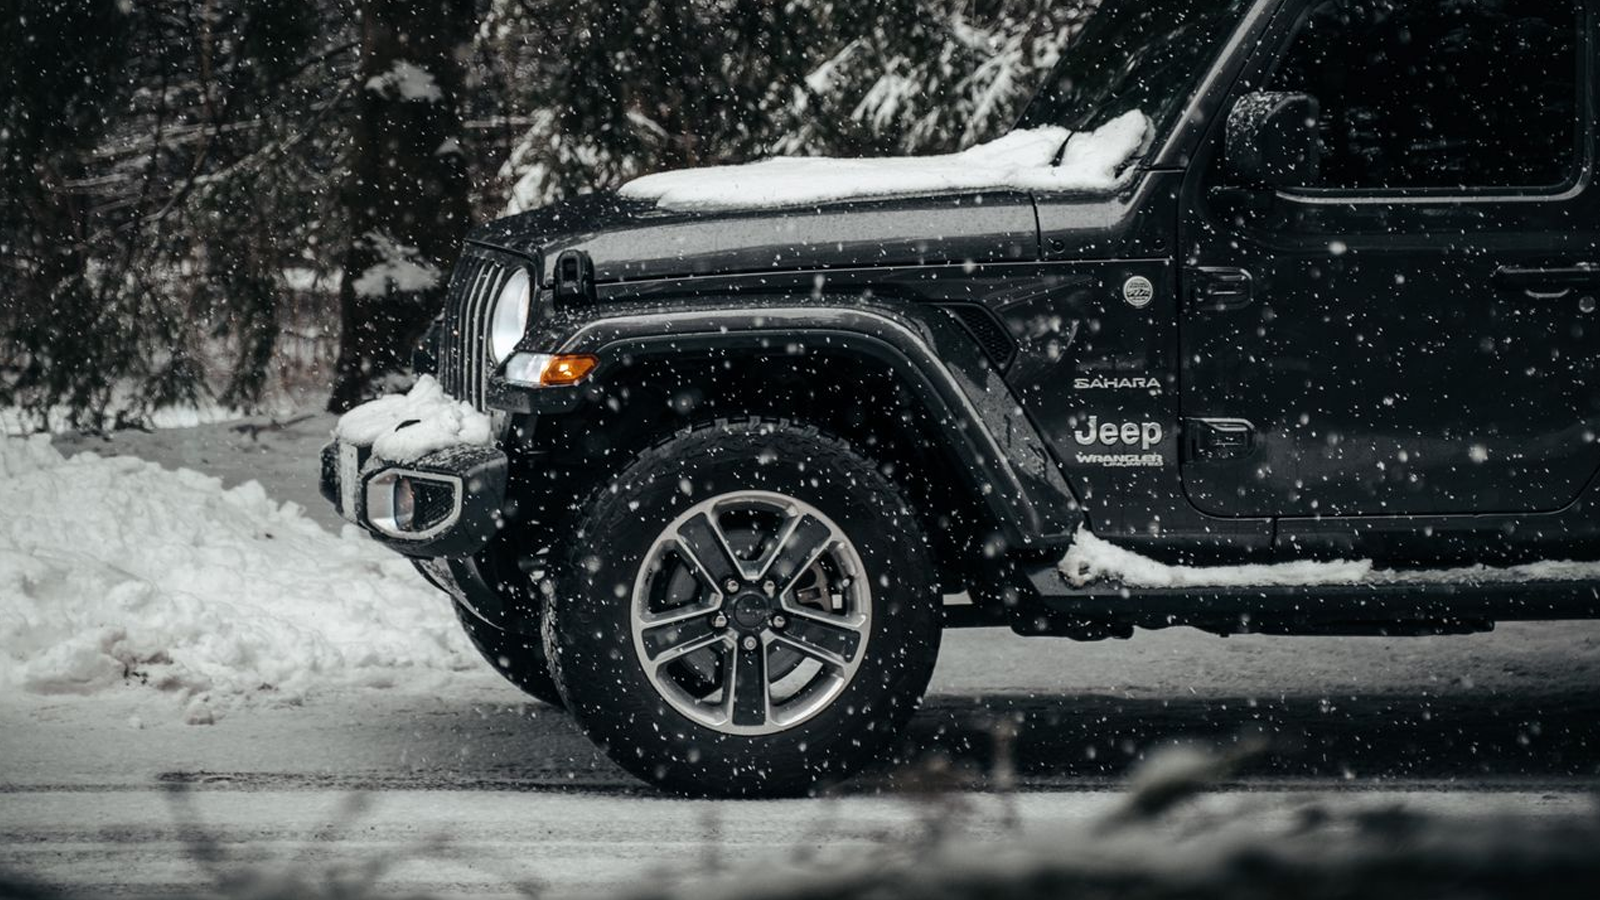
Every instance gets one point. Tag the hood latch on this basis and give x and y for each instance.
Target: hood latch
(574, 277)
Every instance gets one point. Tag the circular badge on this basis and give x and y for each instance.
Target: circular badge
(1138, 291)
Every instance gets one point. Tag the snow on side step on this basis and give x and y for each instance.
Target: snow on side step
(1092, 559)
(117, 571)
(1022, 160)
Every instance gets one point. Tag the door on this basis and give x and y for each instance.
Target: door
(1415, 332)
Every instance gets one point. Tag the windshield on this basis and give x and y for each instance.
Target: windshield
(1133, 54)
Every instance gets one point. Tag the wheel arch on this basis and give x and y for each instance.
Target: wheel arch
(916, 394)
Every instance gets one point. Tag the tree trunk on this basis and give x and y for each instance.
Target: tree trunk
(62, 73)
(406, 194)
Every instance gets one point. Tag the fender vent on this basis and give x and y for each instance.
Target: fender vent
(992, 336)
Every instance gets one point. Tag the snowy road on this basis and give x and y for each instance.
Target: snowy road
(1508, 721)
(490, 843)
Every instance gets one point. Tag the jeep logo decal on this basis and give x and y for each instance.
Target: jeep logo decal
(1112, 434)
(1138, 291)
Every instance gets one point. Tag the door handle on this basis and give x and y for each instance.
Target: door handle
(1219, 289)
(1548, 282)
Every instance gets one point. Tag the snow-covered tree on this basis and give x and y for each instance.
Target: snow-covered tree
(405, 195)
(195, 192)
(165, 164)
(652, 85)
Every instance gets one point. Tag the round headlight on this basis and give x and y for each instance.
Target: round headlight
(510, 317)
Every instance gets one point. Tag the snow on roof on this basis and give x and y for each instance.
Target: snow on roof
(1022, 160)
(1094, 559)
(406, 427)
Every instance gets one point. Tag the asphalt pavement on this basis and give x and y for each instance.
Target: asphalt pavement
(463, 787)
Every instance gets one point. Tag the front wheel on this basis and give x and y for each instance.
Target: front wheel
(749, 610)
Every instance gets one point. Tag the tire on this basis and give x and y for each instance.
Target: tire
(840, 600)
(519, 658)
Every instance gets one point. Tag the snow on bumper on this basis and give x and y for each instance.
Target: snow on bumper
(446, 503)
(417, 470)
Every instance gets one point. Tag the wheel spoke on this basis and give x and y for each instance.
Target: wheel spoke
(746, 685)
(701, 540)
(681, 613)
(805, 539)
(673, 636)
(832, 643)
(729, 572)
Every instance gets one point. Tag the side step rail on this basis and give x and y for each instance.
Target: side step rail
(1318, 609)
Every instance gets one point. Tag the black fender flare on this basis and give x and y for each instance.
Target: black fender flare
(1002, 455)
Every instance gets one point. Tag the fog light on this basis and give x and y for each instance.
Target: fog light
(405, 504)
(413, 504)
(549, 369)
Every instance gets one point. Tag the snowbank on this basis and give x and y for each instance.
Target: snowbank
(17, 421)
(117, 571)
(1024, 160)
(406, 427)
(1092, 559)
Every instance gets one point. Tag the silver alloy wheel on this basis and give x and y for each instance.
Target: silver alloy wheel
(751, 612)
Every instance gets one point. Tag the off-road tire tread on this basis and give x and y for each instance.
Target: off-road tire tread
(607, 507)
(524, 658)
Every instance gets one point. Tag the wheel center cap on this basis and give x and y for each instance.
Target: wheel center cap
(750, 610)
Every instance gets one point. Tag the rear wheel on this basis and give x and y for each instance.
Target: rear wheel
(751, 611)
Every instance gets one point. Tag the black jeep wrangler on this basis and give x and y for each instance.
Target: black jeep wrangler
(748, 463)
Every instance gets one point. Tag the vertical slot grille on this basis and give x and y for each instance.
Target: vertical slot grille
(464, 351)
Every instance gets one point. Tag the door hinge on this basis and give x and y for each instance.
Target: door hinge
(1212, 440)
(1219, 288)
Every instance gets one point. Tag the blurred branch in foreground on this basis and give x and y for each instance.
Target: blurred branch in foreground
(1222, 846)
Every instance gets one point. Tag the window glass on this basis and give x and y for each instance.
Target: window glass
(1440, 93)
(1143, 54)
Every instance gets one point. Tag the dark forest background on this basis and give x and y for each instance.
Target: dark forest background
(236, 201)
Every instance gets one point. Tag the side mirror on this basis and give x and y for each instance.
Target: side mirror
(1272, 141)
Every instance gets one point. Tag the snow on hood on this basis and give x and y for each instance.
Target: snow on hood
(1023, 160)
(117, 573)
(406, 427)
(1093, 559)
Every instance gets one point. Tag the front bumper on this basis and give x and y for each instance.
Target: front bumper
(447, 504)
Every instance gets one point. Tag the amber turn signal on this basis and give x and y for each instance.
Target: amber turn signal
(549, 369)
(567, 368)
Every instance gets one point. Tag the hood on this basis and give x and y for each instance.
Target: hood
(789, 213)
(629, 239)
